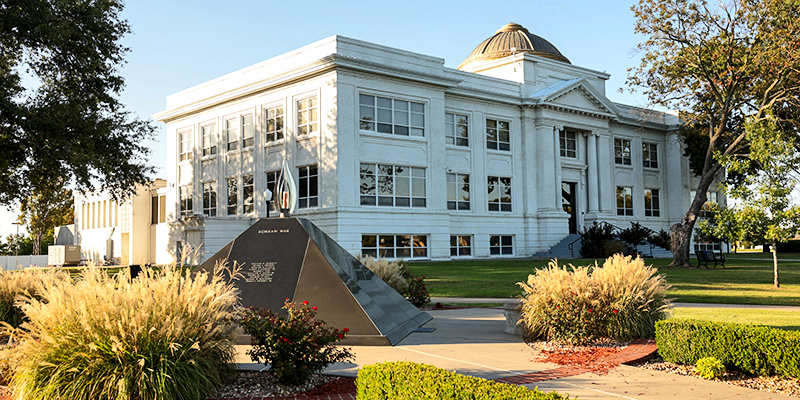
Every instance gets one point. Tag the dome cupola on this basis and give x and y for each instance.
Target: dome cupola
(513, 38)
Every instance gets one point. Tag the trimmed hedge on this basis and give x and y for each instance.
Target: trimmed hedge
(404, 380)
(759, 350)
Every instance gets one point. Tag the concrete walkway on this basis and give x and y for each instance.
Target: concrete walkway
(471, 342)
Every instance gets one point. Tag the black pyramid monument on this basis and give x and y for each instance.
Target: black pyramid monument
(292, 258)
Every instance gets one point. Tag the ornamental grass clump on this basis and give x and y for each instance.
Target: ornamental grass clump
(164, 335)
(23, 283)
(391, 272)
(621, 300)
(295, 345)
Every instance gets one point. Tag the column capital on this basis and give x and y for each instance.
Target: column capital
(558, 128)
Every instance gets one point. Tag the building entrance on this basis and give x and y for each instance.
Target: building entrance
(569, 203)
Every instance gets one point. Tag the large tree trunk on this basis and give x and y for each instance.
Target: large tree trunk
(681, 235)
(775, 263)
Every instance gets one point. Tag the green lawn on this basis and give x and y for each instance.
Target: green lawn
(742, 282)
(789, 320)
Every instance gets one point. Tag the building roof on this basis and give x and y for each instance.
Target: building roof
(513, 38)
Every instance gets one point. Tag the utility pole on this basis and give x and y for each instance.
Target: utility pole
(16, 238)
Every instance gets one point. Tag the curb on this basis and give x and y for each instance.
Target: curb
(639, 350)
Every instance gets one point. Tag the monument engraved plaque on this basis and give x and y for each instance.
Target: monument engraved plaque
(292, 258)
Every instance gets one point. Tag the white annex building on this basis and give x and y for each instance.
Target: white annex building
(397, 155)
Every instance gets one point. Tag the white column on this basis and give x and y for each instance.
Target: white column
(591, 179)
(557, 153)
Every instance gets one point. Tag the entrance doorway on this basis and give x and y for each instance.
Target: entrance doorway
(569, 203)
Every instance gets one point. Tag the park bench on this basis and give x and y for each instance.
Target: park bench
(704, 257)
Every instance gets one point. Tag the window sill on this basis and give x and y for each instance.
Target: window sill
(503, 152)
(275, 143)
(393, 136)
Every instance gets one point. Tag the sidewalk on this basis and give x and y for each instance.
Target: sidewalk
(471, 342)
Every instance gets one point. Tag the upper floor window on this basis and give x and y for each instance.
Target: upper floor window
(232, 134)
(248, 131)
(186, 201)
(622, 151)
(274, 119)
(391, 185)
(209, 140)
(499, 191)
(456, 129)
(248, 200)
(652, 206)
(384, 115)
(307, 116)
(707, 209)
(569, 143)
(650, 155)
(210, 199)
(309, 194)
(233, 196)
(624, 200)
(457, 192)
(185, 138)
(497, 135)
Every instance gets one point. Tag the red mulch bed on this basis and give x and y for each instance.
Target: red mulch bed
(337, 386)
(586, 357)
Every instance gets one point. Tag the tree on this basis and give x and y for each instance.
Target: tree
(765, 213)
(64, 118)
(43, 211)
(721, 65)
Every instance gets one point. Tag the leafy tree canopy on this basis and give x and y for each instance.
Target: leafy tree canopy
(59, 112)
(43, 211)
(721, 64)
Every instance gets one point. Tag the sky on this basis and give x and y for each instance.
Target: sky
(179, 44)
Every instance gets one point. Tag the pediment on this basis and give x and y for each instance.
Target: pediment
(576, 95)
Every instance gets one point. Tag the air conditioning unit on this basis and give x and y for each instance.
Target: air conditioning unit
(63, 255)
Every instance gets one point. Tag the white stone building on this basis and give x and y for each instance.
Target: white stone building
(395, 153)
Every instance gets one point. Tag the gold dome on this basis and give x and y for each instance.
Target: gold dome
(513, 36)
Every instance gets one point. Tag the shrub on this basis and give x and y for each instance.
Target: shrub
(296, 345)
(662, 239)
(710, 368)
(163, 335)
(758, 350)
(612, 247)
(622, 301)
(391, 272)
(635, 236)
(404, 380)
(416, 292)
(22, 283)
(594, 238)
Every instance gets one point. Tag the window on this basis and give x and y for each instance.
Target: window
(460, 246)
(231, 134)
(384, 115)
(209, 140)
(248, 131)
(247, 194)
(185, 138)
(272, 177)
(652, 207)
(569, 143)
(497, 135)
(624, 200)
(707, 210)
(309, 195)
(210, 199)
(456, 129)
(499, 190)
(622, 151)
(158, 209)
(457, 192)
(650, 155)
(307, 116)
(186, 201)
(394, 246)
(390, 185)
(274, 124)
(501, 245)
(233, 198)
